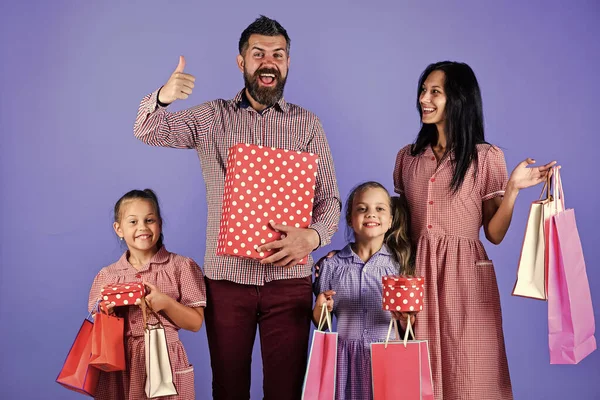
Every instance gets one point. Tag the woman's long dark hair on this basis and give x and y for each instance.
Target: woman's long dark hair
(463, 114)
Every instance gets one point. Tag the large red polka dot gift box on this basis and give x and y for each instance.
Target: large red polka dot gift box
(403, 294)
(123, 294)
(264, 184)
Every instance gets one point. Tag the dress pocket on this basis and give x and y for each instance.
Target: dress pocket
(184, 382)
(487, 288)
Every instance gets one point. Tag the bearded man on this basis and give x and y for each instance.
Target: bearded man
(273, 294)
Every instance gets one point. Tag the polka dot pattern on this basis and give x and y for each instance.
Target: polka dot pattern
(402, 293)
(264, 184)
(123, 294)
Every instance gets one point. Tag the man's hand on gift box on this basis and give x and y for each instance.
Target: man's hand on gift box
(295, 244)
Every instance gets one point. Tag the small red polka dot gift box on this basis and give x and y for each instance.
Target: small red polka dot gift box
(402, 294)
(123, 294)
(264, 184)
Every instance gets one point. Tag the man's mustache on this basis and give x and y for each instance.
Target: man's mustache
(267, 71)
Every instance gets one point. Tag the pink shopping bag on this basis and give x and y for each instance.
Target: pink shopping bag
(319, 381)
(401, 369)
(571, 324)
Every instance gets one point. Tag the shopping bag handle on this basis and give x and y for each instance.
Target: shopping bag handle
(101, 307)
(547, 188)
(557, 190)
(95, 308)
(394, 324)
(145, 308)
(409, 329)
(325, 317)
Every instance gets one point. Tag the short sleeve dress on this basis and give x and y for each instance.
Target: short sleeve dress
(176, 276)
(461, 318)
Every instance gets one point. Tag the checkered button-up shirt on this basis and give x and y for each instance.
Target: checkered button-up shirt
(211, 129)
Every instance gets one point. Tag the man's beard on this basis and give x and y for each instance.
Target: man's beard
(267, 96)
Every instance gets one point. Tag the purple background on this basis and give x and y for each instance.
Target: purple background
(72, 78)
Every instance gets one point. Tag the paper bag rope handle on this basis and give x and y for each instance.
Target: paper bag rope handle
(94, 309)
(557, 190)
(394, 323)
(145, 308)
(325, 317)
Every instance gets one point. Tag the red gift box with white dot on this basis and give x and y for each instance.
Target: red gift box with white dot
(264, 184)
(402, 294)
(122, 294)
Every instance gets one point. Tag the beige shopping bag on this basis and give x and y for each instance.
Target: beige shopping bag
(532, 273)
(159, 374)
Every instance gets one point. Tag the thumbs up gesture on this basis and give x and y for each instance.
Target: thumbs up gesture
(179, 85)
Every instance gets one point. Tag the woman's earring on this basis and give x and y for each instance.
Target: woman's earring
(121, 238)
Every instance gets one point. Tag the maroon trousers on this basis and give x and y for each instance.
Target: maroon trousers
(282, 310)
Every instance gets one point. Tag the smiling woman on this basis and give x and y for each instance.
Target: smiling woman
(455, 182)
(433, 99)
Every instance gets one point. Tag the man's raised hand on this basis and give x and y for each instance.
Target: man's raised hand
(179, 85)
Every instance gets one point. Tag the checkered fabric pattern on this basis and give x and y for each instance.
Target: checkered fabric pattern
(461, 317)
(176, 276)
(359, 315)
(211, 129)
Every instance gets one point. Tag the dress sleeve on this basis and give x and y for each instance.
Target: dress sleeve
(493, 174)
(398, 183)
(324, 277)
(192, 290)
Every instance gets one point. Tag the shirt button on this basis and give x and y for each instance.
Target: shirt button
(133, 321)
(430, 202)
(138, 276)
(429, 226)
(433, 158)
(366, 331)
(432, 179)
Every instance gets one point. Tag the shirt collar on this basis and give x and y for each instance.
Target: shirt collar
(241, 100)
(161, 257)
(428, 152)
(347, 252)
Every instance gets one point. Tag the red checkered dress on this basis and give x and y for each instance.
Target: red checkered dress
(461, 318)
(176, 276)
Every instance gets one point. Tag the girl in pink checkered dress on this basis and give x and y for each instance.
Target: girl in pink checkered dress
(455, 183)
(176, 293)
(352, 278)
